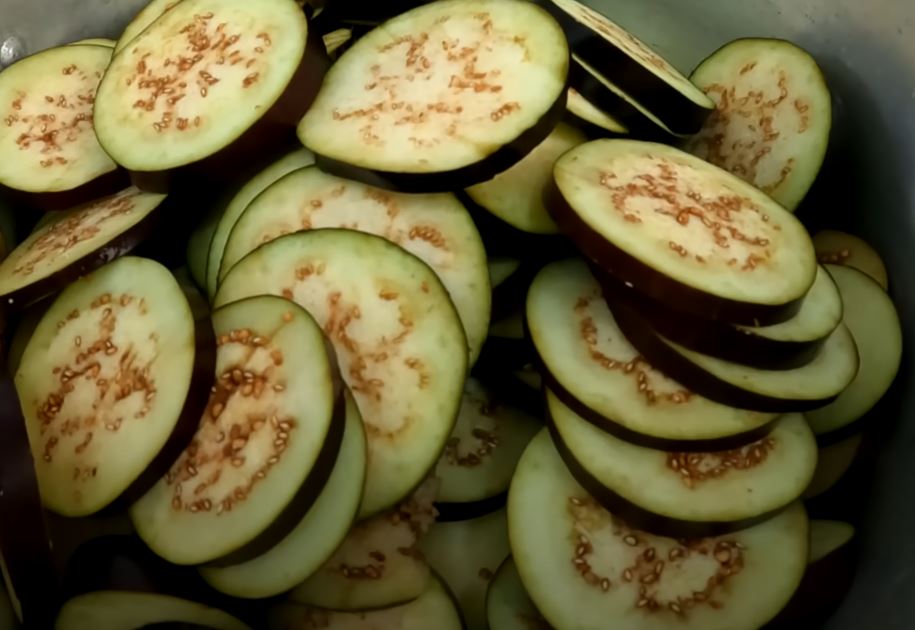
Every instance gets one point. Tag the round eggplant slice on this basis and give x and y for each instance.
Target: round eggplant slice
(803, 388)
(593, 119)
(683, 231)
(481, 454)
(441, 97)
(313, 541)
(434, 608)
(516, 196)
(47, 145)
(874, 323)
(692, 494)
(508, 606)
(437, 229)
(112, 382)
(215, 79)
(640, 70)
(585, 568)
(94, 41)
(75, 243)
(146, 16)
(125, 610)
(379, 562)
(840, 248)
(264, 446)
(772, 118)
(399, 339)
(255, 186)
(593, 369)
(833, 462)
(466, 554)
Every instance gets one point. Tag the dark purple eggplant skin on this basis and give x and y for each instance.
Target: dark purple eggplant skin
(626, 268)
(501, 160)
(450, 512)
(24, 541)
(102, 186)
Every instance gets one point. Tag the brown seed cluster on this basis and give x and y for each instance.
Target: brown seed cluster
(694, 468)
(485, 442)
(838, 257)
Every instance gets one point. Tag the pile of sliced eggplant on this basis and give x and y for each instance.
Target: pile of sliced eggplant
(489, 318)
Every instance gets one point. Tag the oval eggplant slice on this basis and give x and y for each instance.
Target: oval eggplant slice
(874, 323)
(379, 562)
(687, 494)
(250, 72)
(399, 339)
(790, 344)
(515, 196)
(112, 382)
(833, 462)
(640, 70)
(437, 229)
(481, 454)
(256, 185)
(434, 608)
(75, 243)
(591, 366)
(585, 568)
(47, 145)
(264, 446)
(125, 610)
(772, 118)
(146, 16)
(840, 248)
(313, 541)
(476, 113)
(466, 554)
(508, 606)
(683, 231)
(585, 114)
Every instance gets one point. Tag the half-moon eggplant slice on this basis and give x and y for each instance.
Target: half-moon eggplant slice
(128, 610)
(840, 248)
(591, 119)
(442, 97)
(264, 446)
(591, 366)
(683, 231)
(49, 155)
(112, 382)
(74, 243)
(508, 606)
(399, 340)
(586, 568)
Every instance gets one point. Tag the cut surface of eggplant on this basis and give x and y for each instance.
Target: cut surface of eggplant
(435, 228)
(840, 248)
(585, 111)
(696, 494)
(311, 543)
(154, 113)
(516, 196)
(874, 323)
(47, 144)
(126, 610)
(146, 16)
(442, 97)
(433, 608)
(683, 231)
(94, 41)
(466, 554)
(585, 568)
(833, 462)
(113, 375)
(75, 243)
(399, 340)
(772, 118)
(264, 445)
(508, 606)
(379, 563)
(587, 359)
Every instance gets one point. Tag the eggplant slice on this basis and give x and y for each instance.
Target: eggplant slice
(695, 494)
(111, 382)
(772, 118)
(442, 97)
(593, 119)
(435, 228)
(833, 462)
(683, 231)
(840, 248)
(405, 365)
(264, 445)
(508, 606)
(313, 541)
(126, 610)
(585, 568)
(74, 243)
(47, 145)
(592, 367)
(379, 563)
(146, 16)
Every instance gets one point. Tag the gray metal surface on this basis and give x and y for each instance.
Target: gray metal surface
(868, 51)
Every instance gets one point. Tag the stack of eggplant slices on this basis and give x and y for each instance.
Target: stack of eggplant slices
(475, 315)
